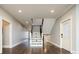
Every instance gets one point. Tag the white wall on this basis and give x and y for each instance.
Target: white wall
(16, 30)
(77, 29)
(47, 25)
(17, 33)
(0, 34)
(36, 28)
(56, 29)
(56, 33)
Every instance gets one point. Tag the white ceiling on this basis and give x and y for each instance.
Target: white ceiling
(35, 10)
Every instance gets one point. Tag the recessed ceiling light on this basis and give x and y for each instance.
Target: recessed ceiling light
(20, 11)
(52, 11)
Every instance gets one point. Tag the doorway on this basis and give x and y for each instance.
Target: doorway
(66, 35)
(5, 34)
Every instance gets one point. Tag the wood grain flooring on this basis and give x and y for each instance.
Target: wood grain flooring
(24, 49)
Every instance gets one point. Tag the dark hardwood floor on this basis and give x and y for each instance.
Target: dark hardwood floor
(24, 49)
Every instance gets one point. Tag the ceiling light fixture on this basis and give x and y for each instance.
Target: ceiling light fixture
(20, 11)
(52, 11)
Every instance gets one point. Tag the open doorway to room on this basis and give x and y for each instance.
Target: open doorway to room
(5, 34)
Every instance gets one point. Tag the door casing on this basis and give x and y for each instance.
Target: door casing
(0, 34)
(69, 18)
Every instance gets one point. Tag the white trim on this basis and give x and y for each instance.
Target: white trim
(69, 18)
(54, 44)
(75, 52)
(14, 45)
(6, 46)
(0, 34)
(10, 35)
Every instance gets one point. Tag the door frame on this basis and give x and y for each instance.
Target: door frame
(69, 18)
(1, 35)
(9, 27)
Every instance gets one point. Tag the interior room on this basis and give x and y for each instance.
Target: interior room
(39, 28)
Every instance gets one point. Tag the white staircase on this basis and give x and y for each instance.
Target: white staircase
(36, 40)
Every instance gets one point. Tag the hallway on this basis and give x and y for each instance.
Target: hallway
(47, 29)
(23, 49)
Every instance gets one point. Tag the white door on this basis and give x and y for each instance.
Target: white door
(0, 35)
(66, 35)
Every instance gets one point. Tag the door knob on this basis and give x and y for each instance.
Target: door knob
(61, 35)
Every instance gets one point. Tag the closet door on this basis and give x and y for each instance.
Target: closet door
(66, 35)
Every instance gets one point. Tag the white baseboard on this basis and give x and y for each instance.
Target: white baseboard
(54, 44)
(6, 46)
(14, 45)
(0, 51)
(75, 52)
